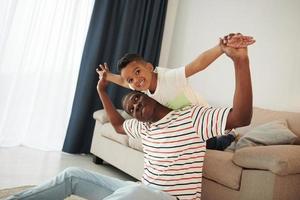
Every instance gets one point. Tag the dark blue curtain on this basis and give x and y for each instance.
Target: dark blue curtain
(117, 27)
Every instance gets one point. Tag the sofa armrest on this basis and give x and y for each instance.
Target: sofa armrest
(101, 116)
(280, 159)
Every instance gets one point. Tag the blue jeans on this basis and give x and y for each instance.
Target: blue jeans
(90, 185)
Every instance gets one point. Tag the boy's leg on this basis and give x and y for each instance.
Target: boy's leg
(87, 184)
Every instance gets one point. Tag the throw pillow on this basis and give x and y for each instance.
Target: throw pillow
(272, 133)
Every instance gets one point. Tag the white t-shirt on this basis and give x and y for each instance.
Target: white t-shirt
(174, 148)
(173, 89)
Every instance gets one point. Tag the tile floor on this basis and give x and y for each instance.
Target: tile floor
(26, 166)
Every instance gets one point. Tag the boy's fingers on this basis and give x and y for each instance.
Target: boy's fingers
(248, 37)
(240, 40)
(242, 37)
(240, 45)
(230, 35)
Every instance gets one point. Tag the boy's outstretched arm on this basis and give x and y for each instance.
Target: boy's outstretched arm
(114, 78)
(203, 60)
(235, 40)
(241, 112)
(113, 115)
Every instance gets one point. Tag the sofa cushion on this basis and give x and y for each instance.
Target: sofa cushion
(280, 159)
(101, 115)
(218, 166)
(272, 133)
(108, 131)
(261, 116)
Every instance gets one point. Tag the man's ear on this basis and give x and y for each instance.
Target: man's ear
(149, 66)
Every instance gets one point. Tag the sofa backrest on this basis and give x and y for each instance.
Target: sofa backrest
(261, 116)
(100, 115)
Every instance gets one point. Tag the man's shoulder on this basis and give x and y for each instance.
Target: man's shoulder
(132, 120)
(186, 110)
(129, 122)
(191, 107)
(191, 110)
(135, 122)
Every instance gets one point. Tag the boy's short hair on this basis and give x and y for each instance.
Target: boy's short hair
(128, 58)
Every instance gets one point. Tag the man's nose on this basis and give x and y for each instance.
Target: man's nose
(136, 106)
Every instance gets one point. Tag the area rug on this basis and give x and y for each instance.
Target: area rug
(4, 193)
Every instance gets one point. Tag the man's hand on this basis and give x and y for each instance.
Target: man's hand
(234, 53)
(113, 115)
(103, 69)
(102, 83)
(237, 40)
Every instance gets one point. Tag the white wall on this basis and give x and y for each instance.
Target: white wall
(274, 58)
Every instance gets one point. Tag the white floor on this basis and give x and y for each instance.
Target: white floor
(27, 166)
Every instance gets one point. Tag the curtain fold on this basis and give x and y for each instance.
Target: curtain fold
(116, 27)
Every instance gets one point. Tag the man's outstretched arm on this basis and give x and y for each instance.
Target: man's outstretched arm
(113, 115)
(114, 78)
(209, 56)
(241, 112)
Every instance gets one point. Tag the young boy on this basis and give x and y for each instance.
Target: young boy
(170, 87)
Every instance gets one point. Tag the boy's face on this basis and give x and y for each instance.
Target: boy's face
(138, 75)
(140, 106)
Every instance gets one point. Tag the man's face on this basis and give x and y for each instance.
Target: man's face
(138, 75)
(140, 106)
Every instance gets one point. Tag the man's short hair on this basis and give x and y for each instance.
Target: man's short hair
(128, 58)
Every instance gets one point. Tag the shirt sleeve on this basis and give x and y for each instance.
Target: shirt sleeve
(176, 76)
(133, 128)
(209, 122)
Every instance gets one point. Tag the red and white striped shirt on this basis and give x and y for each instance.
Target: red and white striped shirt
(175, 147)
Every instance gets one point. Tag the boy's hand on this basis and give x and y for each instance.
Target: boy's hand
(237, 40)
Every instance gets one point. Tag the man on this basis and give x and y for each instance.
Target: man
(174, 140)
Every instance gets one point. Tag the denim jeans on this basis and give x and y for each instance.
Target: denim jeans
(90, 185)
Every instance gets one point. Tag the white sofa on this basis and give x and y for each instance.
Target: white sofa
(261, 172)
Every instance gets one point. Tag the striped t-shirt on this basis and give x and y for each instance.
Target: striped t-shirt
(174, 148)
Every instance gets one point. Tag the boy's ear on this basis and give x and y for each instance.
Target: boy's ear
(149, 66)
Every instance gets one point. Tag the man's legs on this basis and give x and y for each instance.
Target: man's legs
(80, 182)
(139, 192)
